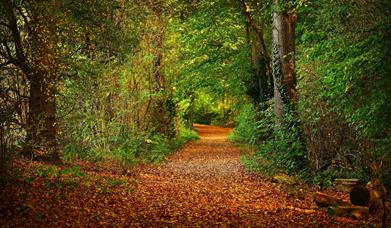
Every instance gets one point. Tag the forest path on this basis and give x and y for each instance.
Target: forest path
(205, 184)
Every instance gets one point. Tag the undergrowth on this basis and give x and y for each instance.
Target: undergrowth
(131, 150)
(280, 149)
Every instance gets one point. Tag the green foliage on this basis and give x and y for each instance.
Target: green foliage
(246, 126)
(214, 62)
(187, 134)
(116, 105)
(352, 61)
(129, 151)
(131, 78)
(45, 171)
(343, 70)
(280, 145)
(73, 171)
(284, 146)
(343, 67)
(260, 164)
(133, 148)
(115, 182)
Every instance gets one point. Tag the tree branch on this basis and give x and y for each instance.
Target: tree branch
(26, 21)
(8, 50)
(14, 29)
(258, 30)
(17, 93)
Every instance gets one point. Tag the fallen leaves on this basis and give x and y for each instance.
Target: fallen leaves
(204, 184)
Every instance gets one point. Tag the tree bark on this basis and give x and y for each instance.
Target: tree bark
(283, 47)
(41, 131)
(45, 64)
(277, 64)
(356, 212)
(288, 55)
(365, 195)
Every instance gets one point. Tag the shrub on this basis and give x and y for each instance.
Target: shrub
(246, 126)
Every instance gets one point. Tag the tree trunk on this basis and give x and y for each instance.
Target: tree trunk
(283, 46)
(288, 56)
(41, 130)
(364, 195)
(345, 184)
(261, 87)
(277, 64)
(356, 212)
(164, 109)
(41, 121)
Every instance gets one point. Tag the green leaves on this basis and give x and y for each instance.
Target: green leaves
(215, 58)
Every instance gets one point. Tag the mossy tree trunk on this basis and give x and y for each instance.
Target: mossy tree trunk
(164, 110)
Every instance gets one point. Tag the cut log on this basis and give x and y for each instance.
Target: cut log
(353, 211)
(360, 195)
(346, 184)
(366, 196)
(346, 181)
(324, 200)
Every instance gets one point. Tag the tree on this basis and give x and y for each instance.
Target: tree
(164, 111)
(261, 87)
(283, 47)
(26, 47)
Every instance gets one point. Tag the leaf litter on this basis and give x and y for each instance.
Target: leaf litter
(203, 184)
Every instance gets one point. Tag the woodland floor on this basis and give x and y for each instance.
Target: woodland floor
(204, 184)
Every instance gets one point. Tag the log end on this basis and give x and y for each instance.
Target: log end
(360, 196)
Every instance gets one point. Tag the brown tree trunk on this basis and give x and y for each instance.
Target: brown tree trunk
(41, 130)
(324, 200)
(283, 45)
(39, 66)
(288, 55)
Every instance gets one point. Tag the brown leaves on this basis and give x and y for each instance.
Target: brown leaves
(203, 185)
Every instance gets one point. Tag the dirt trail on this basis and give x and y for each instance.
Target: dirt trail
(205, 184)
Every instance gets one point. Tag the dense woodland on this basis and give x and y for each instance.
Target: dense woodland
(306, 83)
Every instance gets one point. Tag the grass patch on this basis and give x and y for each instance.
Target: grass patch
(188, 134)
(130, 151)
